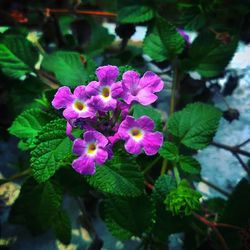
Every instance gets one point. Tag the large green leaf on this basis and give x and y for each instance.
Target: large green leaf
(153, 46)
(17, 55)
(171, 39)
(68, 67)
(189, 165)
(209, 56)
(135, 14)
(131, 215)
(119, 176)
(29, 123)
(195, 125)
(37, 205)
(169, 151)
(52, 147)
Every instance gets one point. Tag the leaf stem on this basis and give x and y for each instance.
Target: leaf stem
(151, 164)
(176, 174)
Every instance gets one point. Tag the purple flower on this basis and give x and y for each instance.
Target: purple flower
(184, 35)
(76, 105)
(106, 90)
(91, 150)
(141, 89)
(138, 135)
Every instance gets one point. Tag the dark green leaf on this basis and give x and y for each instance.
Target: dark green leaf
(52, 147)
(169, 151)
(68, 67)
(189, 164)
(62, 227)
(135, 14)
(195, 125)
(17, 56)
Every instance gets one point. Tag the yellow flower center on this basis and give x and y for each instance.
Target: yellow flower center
(80, 106)
(106, 92)
(91, 148)
(136, 133)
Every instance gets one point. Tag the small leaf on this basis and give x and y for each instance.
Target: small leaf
(52, 147)
(68, 67)
(171, 39)
(62, 227)
(17, 55)
(169, 151)
(189, 164)
(118, 177)
(153, 46)
(135, 14)
(29, 123)
(195, 125)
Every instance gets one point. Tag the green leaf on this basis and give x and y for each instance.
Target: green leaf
(119, 177)
(189, 165)
(171, 39)
(62, 227)
(135, 14)
(52, 147)
(195, 125)
(68, 67)
(131, 215)
(36, 206)
(29, 123)
(169, 151)
(17, 56)
(209, 56)
(153, 46)
(154, 114)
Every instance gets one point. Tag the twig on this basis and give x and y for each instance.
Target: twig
(233, 149)
(243, 164)
(243, 143)
(17, 176)
(215, 187)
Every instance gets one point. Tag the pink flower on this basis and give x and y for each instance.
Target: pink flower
(140, 89)
(106, 90)
(138, 135)
(75, 105)
(91, 150)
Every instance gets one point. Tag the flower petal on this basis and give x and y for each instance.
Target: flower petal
(133, 147)
(101, 156)
(79, 146)
(80, 92)
(116, 89)
(125, 126)
(151, 81)
(146, 97)
(152, 142)
(89, 136)
(63, 98)
(146, 123)
(130, 79)
(92, 88)
(84, 165)
(70, 113)
(107, 74)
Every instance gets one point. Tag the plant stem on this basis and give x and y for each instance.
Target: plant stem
(176, 174)
(215, 187)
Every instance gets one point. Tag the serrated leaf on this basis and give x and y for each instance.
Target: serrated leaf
(62, 227)
(118, 177)
(36, 205)
(29, 123)
(209, 56)
(153, 46)
(154, 114)
(17, 56)
(189, 164)
(135, 14)
(169, 151)
(130, 214)
(195, 125)
(52, 147)
(171, 39)
(68, 67)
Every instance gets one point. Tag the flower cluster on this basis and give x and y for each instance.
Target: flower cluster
(101, 109)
